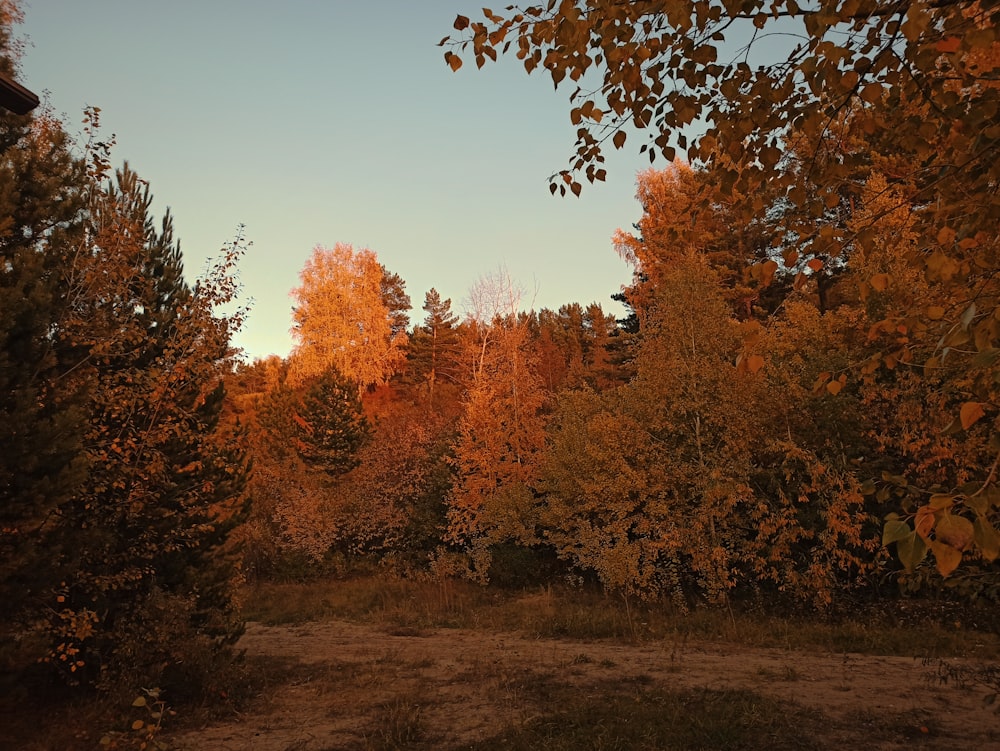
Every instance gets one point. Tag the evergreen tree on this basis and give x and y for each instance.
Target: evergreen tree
(396, 301)
(42, 413)
(434, 347)
(138, 548)
(329, 426)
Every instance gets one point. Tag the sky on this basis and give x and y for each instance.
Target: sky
(313, 123)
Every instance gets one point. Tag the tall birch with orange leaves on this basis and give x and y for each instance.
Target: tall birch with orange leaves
(342, 320)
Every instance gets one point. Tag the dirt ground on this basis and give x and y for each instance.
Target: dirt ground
(354, 686)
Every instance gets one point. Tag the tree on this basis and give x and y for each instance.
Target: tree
(144, 533)
(433, 352)
(660, 70)
(43, 397)
(501, 433)
(396, 301)
(393, 503)
(342, 319)
(328, 426)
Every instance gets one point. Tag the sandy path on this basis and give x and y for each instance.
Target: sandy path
(353, 684)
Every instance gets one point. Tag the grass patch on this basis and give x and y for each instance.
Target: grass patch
(680, 721)
(407, 607)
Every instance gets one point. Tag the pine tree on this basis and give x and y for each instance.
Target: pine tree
(143, 535)
(434, 347)
(42, 415)
(329, 426)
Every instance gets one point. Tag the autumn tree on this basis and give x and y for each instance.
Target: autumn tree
(685, 430)
(342, 319)
(914, 84)
(144, 533)
(392, 505)
(501, 433)
(572, 346)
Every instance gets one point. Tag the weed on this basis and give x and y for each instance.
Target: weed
(397, 724)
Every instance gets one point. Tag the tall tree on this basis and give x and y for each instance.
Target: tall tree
(501, 433)
(43, 396)
(396, 301)
(433, 352)
(342, 319)
(144, 533)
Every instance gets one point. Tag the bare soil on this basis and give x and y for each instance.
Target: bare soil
(343, 685)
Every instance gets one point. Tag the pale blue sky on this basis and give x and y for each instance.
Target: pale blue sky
(323, 122)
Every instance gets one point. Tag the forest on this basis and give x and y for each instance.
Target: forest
(798, 413)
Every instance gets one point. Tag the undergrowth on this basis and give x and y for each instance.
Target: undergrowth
(406, 605)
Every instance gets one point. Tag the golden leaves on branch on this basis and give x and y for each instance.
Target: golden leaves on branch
(944, 528)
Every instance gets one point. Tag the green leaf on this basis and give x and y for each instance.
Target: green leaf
(894, 531)
(911, 551)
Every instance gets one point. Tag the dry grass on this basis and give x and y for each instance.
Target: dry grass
(408, 606)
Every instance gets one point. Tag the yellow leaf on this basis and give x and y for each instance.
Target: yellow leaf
(834, 387)
(956, 531)
(970, 414)
(935, 312)
(755, 363)
(821, 380)
(767, 270)
(941, 500)
(924, 522)
(138, 725)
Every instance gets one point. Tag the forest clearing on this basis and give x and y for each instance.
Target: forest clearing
(386, 680)
(758, 510)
